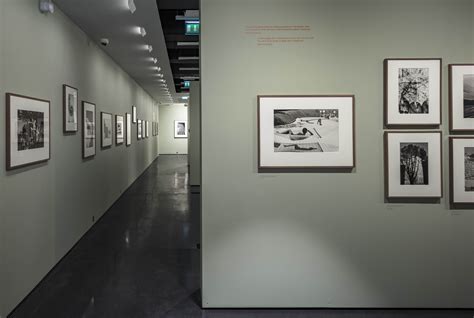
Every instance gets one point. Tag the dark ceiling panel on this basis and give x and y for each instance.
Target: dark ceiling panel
(174, 32)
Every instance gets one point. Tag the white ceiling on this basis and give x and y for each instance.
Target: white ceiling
(112, 19)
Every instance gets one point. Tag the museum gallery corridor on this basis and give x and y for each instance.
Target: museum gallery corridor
(141, 260)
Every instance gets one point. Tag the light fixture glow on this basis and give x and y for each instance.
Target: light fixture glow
(155, 60)
(131, 6)
(142, 31)
(149, 48)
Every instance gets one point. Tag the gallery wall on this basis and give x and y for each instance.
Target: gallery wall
(195, 134)
(323, 239)
(169, 145)
(47, 207)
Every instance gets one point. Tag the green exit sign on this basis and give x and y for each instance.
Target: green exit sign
(187, 84)
(192, 28)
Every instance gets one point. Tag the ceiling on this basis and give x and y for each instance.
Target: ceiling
(112, 19)
(184, 59)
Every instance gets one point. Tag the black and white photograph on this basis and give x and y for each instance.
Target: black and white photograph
(414, 164)
(70, 101)
(106, 130)
(89, 130)
(28, 131)
(128, 130)
(139, 129)
(306, 130)
(412, 92)
(468, 100)
(461, 170)
(461, 98)
(134, 114)
(119, 130)
(469, 169)
(180, 129)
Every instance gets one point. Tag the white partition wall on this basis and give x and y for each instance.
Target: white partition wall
(323, 239)
(195, 134)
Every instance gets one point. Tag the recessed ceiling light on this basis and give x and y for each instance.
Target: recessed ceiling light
(131, 6)
(142, 31)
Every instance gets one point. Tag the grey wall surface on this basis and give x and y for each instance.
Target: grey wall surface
(168, 144)
(195, 134)
(46, 208)
(324, 239)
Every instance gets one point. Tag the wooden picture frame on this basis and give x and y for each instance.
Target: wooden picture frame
(180, 129)
(106, 130)
(119, 130)
(128, 122)
(30, 144)
(89, 135)
(313, 132)
(70, 109)
(421, 104)
(461, 98)
(461, 177)
(139, 129)
(421, 177)
(134, 114)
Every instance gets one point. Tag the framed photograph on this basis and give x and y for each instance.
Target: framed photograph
(128, 141)
(134, 114)
(413, 165)
(147, 129)
(180, 129)
(412, 92)
(139, 129)
(28, 131)
(306, 132)
(88, 130)
(106, 130)
(462, 170)
(119, 130)
(461, 97)
(70, 109)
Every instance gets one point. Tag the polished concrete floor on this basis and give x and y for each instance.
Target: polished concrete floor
(141, 260)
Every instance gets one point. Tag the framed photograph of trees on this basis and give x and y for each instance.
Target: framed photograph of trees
(106, 130)
(413, 165)
(70, 109)
(28, 131)
(412, 92)
(461, 150)
(88, 130)
(461, 97)
(119, 130)
(306, 132)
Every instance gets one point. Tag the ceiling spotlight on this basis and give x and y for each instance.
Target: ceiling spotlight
(149, 48)
(46, 6)
(155, 60)
(142, 31)
(131, 6)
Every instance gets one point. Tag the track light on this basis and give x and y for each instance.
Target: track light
(131, 6)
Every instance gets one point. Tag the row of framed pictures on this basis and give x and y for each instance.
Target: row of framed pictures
(414, 169)
(412, 94)
(28, 129)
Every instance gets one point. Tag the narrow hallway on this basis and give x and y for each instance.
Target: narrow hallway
(139, 260)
